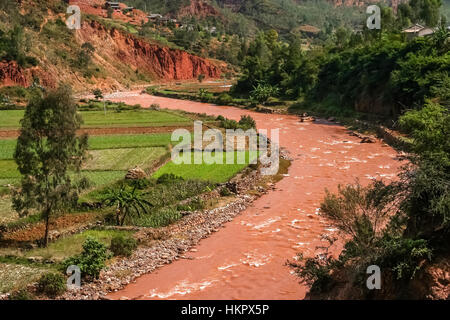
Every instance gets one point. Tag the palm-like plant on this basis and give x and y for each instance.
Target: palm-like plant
(127, 203)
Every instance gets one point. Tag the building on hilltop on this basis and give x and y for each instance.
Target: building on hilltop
(418, 30)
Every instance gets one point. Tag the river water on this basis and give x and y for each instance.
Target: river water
(246, 259)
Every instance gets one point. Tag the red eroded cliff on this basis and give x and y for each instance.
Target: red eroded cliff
(12, 74)
(160, 62)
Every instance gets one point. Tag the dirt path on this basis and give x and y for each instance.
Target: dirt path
(246, 259)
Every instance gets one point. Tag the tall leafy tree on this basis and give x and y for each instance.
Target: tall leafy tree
(48, 149)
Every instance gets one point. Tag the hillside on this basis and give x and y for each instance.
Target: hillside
(246, 17)
(106, 52)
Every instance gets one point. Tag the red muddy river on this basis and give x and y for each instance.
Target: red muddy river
(246, 259)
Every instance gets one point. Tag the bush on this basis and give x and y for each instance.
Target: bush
(52, 284)
(224, 98)
(122, 245)
(193, 205)
(92, 260)
(21, 294)
(168, 178)
(230, 124)
(247, 122)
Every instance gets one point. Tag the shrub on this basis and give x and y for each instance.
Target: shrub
(224, 98)
(168, 178)
(122, 245)
(52, 284)
(193, 205)
(247, 122)
(21, 294)
(92, 260)
(230, 124)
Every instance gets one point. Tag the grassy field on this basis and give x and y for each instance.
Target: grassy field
(10, 119)
(124, 159)
(7, 146)
(218, 173)
(17, 276)
(69, 246)
(126, 141)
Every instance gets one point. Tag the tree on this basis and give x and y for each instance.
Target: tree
(97, 94)
(201, 77)
(47, 149)
(127, 203)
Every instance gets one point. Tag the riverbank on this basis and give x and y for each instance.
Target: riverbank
(248, 256)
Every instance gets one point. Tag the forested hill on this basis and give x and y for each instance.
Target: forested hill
(245, 18)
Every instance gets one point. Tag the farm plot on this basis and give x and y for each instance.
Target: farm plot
(97, 119)
(218, 173)
(124, 159)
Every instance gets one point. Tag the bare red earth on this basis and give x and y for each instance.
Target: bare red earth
(246, 259)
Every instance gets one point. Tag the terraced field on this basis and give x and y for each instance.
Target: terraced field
(218, 173)
(98, 119)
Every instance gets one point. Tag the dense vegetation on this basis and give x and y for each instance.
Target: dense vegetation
(402, 226)
(373, 71)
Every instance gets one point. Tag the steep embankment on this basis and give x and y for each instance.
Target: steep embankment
(117, 59)
(116, 47)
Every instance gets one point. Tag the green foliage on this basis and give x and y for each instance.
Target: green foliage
(204, 95)
(123, 246)
(98, 94)
(52, 284)
(91, 261)
(21, 294)
(47, 148)
(224, 99)
(247, 122)
(127, 203)
(168, 178)
(262, 92)
(430, 129)
(13, 47)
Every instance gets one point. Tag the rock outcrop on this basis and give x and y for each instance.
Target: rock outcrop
(12, 74)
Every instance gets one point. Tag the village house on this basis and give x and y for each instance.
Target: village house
(418, 30)
(112, 5)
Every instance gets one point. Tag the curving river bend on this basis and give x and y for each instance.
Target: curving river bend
(246, 259)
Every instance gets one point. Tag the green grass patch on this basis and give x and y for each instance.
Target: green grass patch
(124, 159)
(217, 173)
(7, 213)
(7, 148)
(17, 276)
(69, 246)
(102, 178)
(8, 169)
(126, 141)
(10, 119)
(133, 118)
